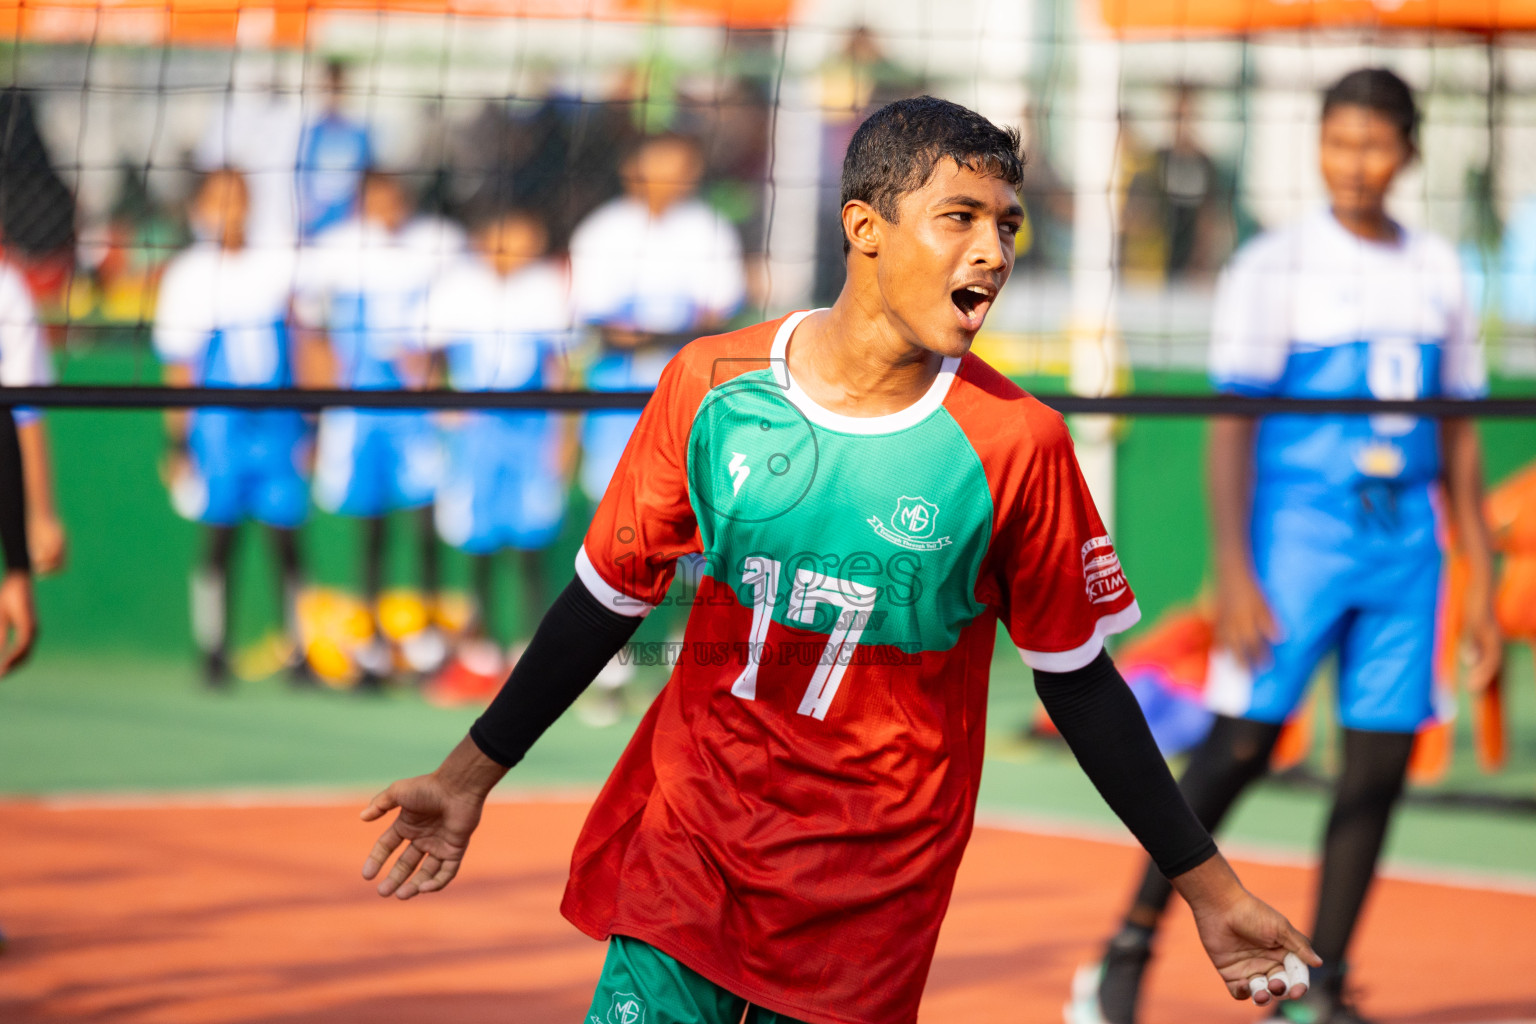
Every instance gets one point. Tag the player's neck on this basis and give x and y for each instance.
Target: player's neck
(853, 361)
(1373, 225)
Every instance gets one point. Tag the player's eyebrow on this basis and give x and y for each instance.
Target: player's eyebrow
(961, 199)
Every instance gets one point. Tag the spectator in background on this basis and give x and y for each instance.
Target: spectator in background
(37, 208)
(1175, 223)
(651, 270)
(333, 154)
(559, 153)
(221, 321)
(361, 304)
(256, 131)
(734, 117)
(24, 362)
(500, 320)
(1045, 242)
(858, 80)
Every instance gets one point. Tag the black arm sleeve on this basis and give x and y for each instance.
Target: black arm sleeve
(1098, 716)
(574, 641)
(13, 497)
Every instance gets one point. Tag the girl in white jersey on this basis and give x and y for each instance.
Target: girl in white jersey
(1326, 536)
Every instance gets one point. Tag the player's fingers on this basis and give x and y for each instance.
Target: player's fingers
(1297, 943)
(1258, 989)
(444, 875)
(18, 646)
(8, 659)
(26, 637)
(1297, 978)
(1488, 657)
(404, 865)
(382, 803)
(381, 850)
(412, 886)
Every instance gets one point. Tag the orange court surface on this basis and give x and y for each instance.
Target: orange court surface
(208, 910)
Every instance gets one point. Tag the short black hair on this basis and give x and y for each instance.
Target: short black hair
(1379, 90)
(897, 148)
(489, 212)
(670, 137)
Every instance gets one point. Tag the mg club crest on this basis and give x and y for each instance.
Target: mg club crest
(627, 1008)
(912, 525)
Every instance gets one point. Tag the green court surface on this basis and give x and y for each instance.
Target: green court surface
(128, 725)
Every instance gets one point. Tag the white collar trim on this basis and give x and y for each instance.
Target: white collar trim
(890, 423)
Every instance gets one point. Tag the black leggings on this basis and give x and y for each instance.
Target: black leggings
(1236, 753)
(374, 536)
(212, 612)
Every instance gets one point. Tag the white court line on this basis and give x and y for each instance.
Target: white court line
(1273, 856)
(298, 796)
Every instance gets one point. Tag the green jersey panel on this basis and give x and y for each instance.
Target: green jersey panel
(823, 526)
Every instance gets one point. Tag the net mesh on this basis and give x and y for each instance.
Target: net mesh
(1151, 160)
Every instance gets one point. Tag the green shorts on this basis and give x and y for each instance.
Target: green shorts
(643, 985)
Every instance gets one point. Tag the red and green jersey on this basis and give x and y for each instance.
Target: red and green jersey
(790, 814)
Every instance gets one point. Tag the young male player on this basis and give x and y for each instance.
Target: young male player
(868, 500)
(502, 321)
(1325, 526)
(362, 301)
(221, 321)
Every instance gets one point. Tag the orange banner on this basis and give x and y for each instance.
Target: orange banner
(1163, 17)
(287, 22)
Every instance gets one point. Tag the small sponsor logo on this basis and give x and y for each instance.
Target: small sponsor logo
(739, 472)
(627, 1008)
(1101, 571)
(912, 525)
(1381, 459)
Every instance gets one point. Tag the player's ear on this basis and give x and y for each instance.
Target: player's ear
(861, 225)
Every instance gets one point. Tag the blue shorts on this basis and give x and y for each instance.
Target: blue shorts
(371, 462)
(501, 488)
(1359, 579)
(245, 466)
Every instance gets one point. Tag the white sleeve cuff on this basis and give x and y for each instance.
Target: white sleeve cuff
(1077, 657)
(607, 595)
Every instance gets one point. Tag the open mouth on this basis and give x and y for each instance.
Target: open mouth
(971, 304)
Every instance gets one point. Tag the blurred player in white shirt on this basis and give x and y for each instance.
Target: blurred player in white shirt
(651, 270)
(501, 321)
(221, 321)
(24, 362)
(362, 302)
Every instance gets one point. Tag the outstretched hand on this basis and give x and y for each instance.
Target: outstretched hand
(438, 814)
(1255, 949)
(1248, 941)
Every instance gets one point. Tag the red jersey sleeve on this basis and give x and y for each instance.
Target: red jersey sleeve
(645, 521)
(1058, 580)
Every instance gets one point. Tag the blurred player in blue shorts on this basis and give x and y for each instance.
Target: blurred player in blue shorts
(362, 301)
(502, 322)
(1327, 528)
(221, 321)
